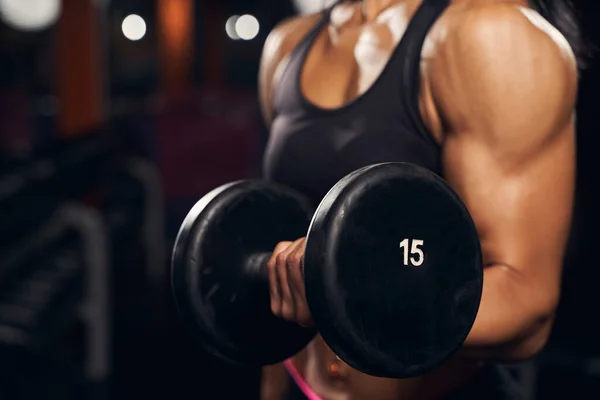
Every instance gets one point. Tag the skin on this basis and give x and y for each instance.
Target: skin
(498, 90)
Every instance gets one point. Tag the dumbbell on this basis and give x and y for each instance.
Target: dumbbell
(392, 270)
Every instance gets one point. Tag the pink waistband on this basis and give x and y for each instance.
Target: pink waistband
(300, 382)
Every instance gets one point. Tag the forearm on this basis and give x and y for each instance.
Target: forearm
(512, 323)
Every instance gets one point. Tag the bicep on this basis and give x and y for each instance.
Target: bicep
(506, 92)
(522, 212)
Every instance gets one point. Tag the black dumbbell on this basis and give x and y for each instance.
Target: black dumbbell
(392, 270)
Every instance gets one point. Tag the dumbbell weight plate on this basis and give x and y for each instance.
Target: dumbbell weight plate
(222, 302)
(393, 270)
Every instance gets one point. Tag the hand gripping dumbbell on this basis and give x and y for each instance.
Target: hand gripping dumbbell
(392, 270)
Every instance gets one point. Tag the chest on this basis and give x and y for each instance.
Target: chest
(349, 55)
(327, 126)
(312, 154)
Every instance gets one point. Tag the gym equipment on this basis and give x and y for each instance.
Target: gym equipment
(219, 290)
(53, 277)
(392, 270)
(36, 307)
(59, 173)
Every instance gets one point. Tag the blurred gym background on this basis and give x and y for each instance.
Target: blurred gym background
(115, 117)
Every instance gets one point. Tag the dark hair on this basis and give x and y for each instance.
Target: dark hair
(561, 14)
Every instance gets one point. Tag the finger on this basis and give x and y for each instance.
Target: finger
(303, 316)
(288, 310)
(273, 281)
(296, 280)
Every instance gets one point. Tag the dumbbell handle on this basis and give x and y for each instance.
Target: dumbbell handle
(256, 265)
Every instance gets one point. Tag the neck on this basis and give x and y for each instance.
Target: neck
(372, 8)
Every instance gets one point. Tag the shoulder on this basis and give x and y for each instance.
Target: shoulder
(285, 37)
(494, 60)
(501, 34)
(279, 44)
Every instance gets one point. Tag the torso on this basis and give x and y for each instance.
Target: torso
(341, 69)
(349, 55)
(343, 98)
(315, 364)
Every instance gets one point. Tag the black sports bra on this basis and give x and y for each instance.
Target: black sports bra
(311, 148)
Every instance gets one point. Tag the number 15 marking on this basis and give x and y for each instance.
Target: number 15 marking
(417, 258)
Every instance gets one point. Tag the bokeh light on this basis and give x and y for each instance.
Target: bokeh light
(312, 6)
(30, 15)
(247, 27)
(134, 27)
(230, 27)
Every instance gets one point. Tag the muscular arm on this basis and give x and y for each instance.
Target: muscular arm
(504, 85)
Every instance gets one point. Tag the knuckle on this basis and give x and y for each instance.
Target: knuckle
(271, 264)
(281, 258)
(276, 308)
(281, 245)
(296, 259)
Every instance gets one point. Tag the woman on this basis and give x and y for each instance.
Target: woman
(482, 92)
